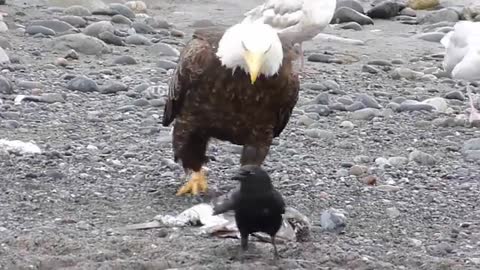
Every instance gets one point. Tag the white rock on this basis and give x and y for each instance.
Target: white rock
(439, 103)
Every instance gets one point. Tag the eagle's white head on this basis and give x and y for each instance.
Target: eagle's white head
(254, 47)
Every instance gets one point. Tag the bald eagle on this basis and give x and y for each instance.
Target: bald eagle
(235, 85)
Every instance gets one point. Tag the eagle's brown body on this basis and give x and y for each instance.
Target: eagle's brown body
(207, 100)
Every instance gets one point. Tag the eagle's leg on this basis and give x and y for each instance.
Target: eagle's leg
(196, 184)
(254, 155)
(191, 148)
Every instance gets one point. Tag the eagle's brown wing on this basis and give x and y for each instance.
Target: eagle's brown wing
(195, 58)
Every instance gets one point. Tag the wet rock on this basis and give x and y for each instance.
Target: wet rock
(440, 104)
(455, 95)
(422, 158)
(365, 114)
(333, 220)
(5, 86)
(406, 73)
(471, 149)
(411, 105)
(96, 28)
(77, 10)
(75, 21)
(137, 6)
(80, 43)
(163, 49)
(123, 10)
(392, 212)
(56, 25)
(353, 4)
(321, 110)
(320, 134)
(82, 84)
(137, 39)
(166, 64)
(358, 170)
(124, 60)
(352, 26)
(113, 87)
(442, 15)
(110, 38)
(38, 29)
(398, 162)
(384, 10)
(345, 14)
(143, 28)
(368, 101)
(4, 59)
(370, 69)
(120, 19)
(431, 36)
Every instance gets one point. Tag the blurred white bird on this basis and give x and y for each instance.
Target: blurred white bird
(302, 18)
(462, 57)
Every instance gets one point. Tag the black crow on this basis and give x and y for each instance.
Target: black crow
(258, 206)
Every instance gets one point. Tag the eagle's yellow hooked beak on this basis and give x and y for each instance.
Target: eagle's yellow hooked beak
(254, 63)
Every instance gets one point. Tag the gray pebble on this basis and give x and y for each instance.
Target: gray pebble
(96, 28)
(398, 161)
(77, 10)
(141, 102)
(422, 158)
(352, 26)
(370, 69)
(74, 20)
(143, 28)
(333, 220)
(455, 95)
(120, 19)
(337, 107)
(353, 4)
(368, 101)
(163, 49)
(321, 98)
(431, 36)
(320, 134)
(56, 25)
(111, 38)
(365, 114)
(392, 212)
(379, 62)
(113, 87)
(322, 110)
(409, 106)
(122, 9)
(5, 86)
(166, 64)
(355, 106)
(442, 15)
(137, 39)
(124, 60)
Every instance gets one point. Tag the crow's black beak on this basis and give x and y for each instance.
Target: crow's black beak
(241, 175)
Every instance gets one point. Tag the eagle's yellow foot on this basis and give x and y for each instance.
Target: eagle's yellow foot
(196, 184)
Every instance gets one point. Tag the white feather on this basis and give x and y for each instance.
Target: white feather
(462, 48)
(294, 15)
(257, 38)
